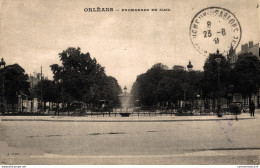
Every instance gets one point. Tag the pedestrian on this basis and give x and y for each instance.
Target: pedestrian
(252, 108)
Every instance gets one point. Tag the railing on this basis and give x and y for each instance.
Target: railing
(133, 112)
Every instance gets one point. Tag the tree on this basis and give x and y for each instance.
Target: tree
(195, 84)
(81, 78)
(15, 83)
(246, 75)
(113, 90)
(210, 81)
(145, 87)
(47, 91)
(159, 84)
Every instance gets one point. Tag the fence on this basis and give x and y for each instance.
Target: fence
(144, 111)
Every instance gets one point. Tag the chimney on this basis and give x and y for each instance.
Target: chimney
(251, 44)
(244, 47)
(38, 75)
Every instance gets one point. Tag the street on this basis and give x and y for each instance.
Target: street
(184, 142)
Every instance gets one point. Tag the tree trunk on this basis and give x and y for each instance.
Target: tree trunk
(13, 108)
(49, 108)
(44, 106)
(54, 108)
(249, 102)
(32, 106)
(58, 109)
(213, 103)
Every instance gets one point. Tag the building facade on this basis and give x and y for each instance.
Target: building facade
(248, 47)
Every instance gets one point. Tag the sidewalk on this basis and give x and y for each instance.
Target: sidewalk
(173, 118)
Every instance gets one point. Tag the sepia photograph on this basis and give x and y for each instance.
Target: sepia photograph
(140, 82)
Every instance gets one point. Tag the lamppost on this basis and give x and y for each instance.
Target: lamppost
(218, 60)
(189, 66)
(124, 104)
(2, 66)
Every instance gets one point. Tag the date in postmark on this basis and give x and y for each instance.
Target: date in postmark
(215, 28)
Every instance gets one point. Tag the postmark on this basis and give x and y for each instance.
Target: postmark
(215, 28)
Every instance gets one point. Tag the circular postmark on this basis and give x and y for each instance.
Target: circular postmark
(215, 28)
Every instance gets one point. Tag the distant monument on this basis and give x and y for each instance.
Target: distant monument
(125, 99)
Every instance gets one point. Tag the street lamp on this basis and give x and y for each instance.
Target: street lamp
(2, 66)
(189, 66)
(218, 60)
(124, 104)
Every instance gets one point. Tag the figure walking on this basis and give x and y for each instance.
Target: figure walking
(252, 108)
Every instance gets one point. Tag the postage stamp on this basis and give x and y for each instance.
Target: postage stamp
(215, 28)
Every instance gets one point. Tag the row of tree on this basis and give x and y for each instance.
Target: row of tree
(161, 84)
(78, 78)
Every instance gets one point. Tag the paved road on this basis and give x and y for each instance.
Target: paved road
(187, 142)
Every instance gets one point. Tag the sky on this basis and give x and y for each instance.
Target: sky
(127, 44)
